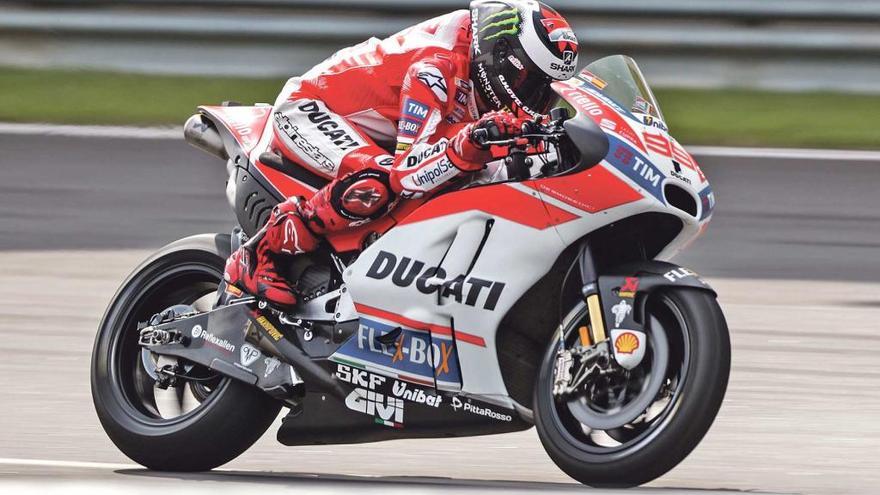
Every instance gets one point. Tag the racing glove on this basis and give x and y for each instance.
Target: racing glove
(468, 150)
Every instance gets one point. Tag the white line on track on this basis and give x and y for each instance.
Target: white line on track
(786, 153)
(91, 131)
(125, 132)
(7, 461)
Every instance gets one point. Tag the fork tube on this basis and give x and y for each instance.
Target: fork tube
(591, 293)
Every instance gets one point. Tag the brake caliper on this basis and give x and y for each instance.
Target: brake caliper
(562, 372)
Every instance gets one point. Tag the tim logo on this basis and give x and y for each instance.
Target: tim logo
(415, 109)
(386, 411)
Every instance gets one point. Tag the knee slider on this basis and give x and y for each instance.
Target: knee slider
(363, 195)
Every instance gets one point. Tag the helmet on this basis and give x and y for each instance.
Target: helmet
(518, 47)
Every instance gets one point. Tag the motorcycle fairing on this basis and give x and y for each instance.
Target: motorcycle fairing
(244, 124)
(591, 192)
(523, 244)
(510, 201)
(254, 188)
(636, 166)
(464, 239)
(378, 407)
(367, 407)
(425, 356)
(606, 113)
(648, 134)
(647, 159)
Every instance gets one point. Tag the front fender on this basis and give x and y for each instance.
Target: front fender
(630, 285)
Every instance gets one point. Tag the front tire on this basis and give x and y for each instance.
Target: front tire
(228, 416)
(639, 453)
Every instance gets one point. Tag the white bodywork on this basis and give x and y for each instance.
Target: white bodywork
(518, 255)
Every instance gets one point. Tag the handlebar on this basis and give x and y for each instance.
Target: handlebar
(517, 160)
(533, 134)
(481, 137)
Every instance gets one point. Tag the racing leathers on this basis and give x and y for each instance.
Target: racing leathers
(410, 92)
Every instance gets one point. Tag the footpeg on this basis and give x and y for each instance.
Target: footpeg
(169, 314)
(156, 336)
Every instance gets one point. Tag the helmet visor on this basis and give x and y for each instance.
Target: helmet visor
(528, 88)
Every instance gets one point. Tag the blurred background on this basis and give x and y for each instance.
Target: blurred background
(793, 72)
(778, 101)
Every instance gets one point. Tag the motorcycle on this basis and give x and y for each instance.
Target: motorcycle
(534, 294)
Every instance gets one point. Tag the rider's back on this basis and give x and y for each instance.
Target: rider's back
(363, 82)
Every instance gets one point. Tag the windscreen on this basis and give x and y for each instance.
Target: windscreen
(619, 78)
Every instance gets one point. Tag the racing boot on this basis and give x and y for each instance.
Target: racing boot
(252, 268)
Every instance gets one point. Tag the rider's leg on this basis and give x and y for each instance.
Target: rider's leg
(361, 194)
(252, 267)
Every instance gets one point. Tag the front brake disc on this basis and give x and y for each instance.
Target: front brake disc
(599, 420)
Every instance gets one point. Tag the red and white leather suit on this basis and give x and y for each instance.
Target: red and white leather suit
(411, 93)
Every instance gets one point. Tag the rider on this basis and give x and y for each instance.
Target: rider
(421, 92)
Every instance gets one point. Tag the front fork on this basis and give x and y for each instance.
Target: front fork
(594, 355)
(611, 303)
(595, 334)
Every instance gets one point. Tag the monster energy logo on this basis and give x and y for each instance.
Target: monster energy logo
(507, 22)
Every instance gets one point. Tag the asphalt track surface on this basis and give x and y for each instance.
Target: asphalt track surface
(793, 252)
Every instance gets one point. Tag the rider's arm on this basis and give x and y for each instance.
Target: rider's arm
(426, 159)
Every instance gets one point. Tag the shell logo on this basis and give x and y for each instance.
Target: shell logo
(626, 343)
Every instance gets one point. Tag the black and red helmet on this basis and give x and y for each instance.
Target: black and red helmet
(518, 48)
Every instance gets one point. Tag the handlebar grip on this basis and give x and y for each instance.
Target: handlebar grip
(480, 137)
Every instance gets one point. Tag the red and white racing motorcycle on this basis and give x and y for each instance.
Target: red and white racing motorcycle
(533, 295)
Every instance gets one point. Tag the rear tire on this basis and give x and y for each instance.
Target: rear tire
(677, 434)
(226, 422)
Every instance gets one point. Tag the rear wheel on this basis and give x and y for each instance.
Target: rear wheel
(595, 436)
(203, 421)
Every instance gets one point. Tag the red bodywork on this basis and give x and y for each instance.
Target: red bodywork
(591, 191)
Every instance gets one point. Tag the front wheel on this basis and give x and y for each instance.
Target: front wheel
(202, 421)
(678, 388)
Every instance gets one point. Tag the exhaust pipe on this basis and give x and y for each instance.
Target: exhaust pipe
(201, 133)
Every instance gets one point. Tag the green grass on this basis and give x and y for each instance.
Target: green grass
(716, 117)
(78, 97)
(758, 118)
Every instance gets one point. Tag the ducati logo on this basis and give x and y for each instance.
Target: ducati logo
(326, 123)
(406, 272)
